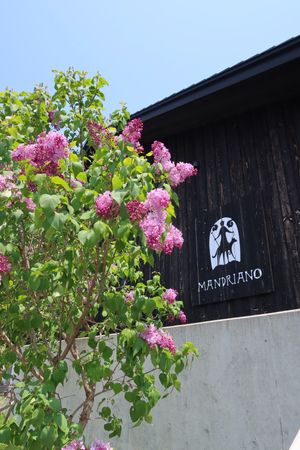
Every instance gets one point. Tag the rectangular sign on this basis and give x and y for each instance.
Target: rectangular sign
(232, 252)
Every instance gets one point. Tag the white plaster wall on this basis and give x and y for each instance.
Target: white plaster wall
(243, 393)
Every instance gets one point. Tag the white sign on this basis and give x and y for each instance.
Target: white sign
(224, 242)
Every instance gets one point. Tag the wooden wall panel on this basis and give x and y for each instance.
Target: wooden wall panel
(259, 152)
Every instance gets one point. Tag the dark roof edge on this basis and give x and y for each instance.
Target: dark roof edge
(256, 65)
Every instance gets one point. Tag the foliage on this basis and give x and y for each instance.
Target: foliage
(82, 210)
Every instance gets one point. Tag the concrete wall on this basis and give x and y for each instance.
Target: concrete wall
(243, 393)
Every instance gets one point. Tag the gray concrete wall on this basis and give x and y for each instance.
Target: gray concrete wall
(243, 393)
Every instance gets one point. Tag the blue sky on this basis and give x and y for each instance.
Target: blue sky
(147, 50)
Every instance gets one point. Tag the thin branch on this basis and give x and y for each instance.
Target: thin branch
(89, 299)
(19, 354)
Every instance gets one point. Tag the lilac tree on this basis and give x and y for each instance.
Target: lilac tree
(83, 207)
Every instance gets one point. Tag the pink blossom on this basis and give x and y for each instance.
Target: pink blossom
(45, 153)
(32, 186)
(162, 156)
(171, 318)
(2, 183)
(132, 133)
(157, 200)
(173, 239)
(106, 207)
(5, 265)
(30, 205)
(23, 152)
(99, 134)
(170, 295)
(129, 297)
(100, 445)
(153, 226)
(174, 176)
(75, 445)
(182, 317)
(136, 210)
(7, 182)
(153, 337)
(180, 172)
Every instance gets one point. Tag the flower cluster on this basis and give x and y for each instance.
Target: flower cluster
(170, 295)
(100, 445)
(157, 200)
(132, 134)
(75, 445)
(182, 317)
(161, 156)
(129, 297)
(136, 210)
(79, 445)
(173, 239)
(30, 205)
(45, 153)
(153, 226)
(151, 216)
(154, 336)
(5, 265)
(106, 207)
(100, 135)
(6, 182)
(179, 172)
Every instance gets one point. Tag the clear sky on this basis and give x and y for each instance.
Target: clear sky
(147, 50)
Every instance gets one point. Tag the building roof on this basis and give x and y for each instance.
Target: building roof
(263, 78)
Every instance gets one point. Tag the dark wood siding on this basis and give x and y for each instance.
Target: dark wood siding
(258, 151)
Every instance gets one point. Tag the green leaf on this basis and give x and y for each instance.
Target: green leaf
(57, 220)
(117, 183)
(61, 422)
(102, 230)
(61, 182)
(94, 371)
(49, 202)
(48, 436)
(54, 404)
(5, 435)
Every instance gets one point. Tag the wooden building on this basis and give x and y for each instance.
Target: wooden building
(240, 215)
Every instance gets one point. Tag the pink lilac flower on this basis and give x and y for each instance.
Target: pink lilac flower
(171, 318)
(7, 182)
(30, 205)
(45, 153)
(174, 176)
(166, 341)
(5, 265)
(173, 239)
(182, 317)
(32, 186)
(75, 445)
(100, 445)
(132, 133)
(2, 183)
(157, 200)
(106, 207)
(153, 337)
(136, 210)
(99, 134)
(153, 226)
(180, 172)
(170, 295)
(161, 156)
(129, 297)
